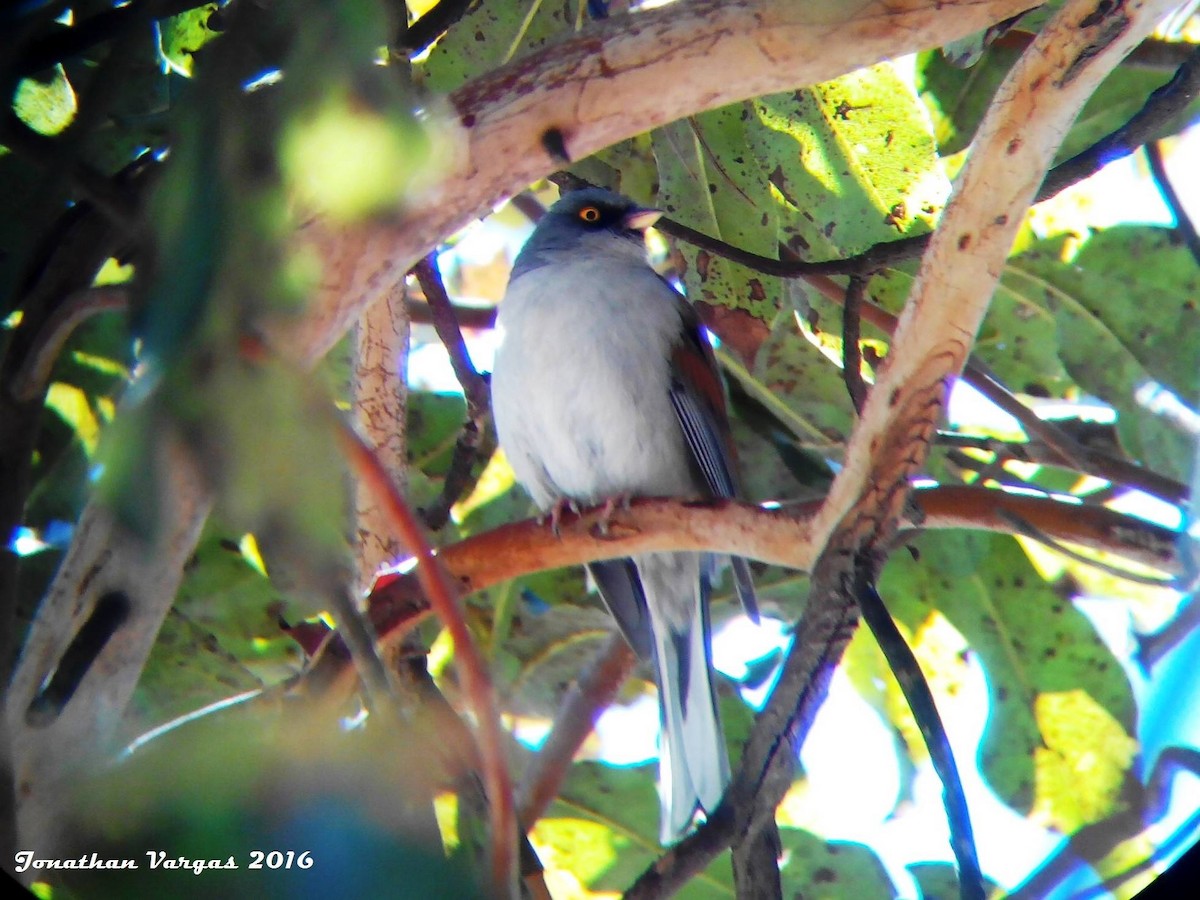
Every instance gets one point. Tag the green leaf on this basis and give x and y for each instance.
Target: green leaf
(816, 869)
(47, 107)
(1035, 647)
(1017, 340)
(939, 881)
(1076, 785)
(490, 34)
(606, 818)
(434, 421)
(549, 650)
(801, 385)
(852, 161)
(709, 179)
(1125, 311)
(182, 35)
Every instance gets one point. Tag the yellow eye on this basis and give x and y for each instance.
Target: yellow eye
(590, 214)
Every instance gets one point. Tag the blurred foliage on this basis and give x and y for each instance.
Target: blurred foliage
(195, 143)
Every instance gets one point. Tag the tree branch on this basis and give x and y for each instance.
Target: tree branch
(380, 392)
(1016, 142)
(475, 389)
(480, 692)
(589, 695)
(1160, 107)
(777, 537)
(1184, 226)
(610, 81)
(851, 352)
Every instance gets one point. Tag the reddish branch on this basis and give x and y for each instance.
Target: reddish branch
(779, 537)
(441, 595)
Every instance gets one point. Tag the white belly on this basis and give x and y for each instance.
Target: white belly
(580, 392)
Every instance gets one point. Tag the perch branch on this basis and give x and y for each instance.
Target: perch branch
(777, 537)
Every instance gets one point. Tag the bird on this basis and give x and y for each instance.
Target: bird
(605, 387)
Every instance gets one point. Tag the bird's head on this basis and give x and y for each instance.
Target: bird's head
(593, 221)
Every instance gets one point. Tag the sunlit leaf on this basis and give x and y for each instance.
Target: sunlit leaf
(182, 35)
(852, 161)
(623, 803)
(47, 107)
(1031, 642)
(1081, 769)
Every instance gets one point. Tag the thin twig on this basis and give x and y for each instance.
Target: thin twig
(851, 352)
(529, 205)
(589, 695)
(446, 324)
(475, 390)
(1031, 531)
(421, 313)
(460, 477)
(1120, 473)
(1184, 226)
(30, 379)
(1061, 443)
(479, 689)
(977, 375)
(1163, 105)
(431, 26)
(1151, 648)
(903, 663)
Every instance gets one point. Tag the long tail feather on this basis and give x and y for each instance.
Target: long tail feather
(693, 763)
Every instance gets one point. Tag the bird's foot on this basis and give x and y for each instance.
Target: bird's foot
(555, 514)
(611, 505)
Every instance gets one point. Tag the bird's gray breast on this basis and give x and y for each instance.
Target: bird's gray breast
(580, 383)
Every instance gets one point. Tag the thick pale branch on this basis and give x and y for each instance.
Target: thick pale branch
(381, 408)
(1016, 143)
(610, 81)
(108, 574)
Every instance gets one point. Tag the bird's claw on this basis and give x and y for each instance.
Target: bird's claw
(555, 514)
(611, 505)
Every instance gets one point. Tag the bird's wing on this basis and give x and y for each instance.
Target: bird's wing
(699, 402)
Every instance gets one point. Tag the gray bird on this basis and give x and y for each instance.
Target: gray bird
(605, 387)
